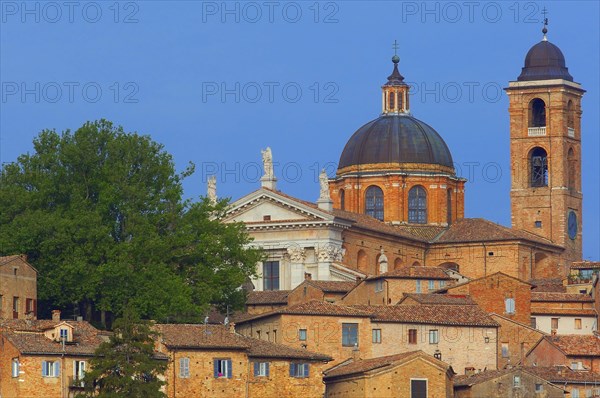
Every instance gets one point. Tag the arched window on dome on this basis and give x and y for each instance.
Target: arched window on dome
(537, 113)
(417, 205)
(539, 167)
(374, 202)
(342, 199)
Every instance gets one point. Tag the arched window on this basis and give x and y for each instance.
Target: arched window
(342, 199)
(537, 113)
(374, 202)
(570, 114)
(539, 167)
(572, 165)
(397, 263)
(417, 205)
(449, 206)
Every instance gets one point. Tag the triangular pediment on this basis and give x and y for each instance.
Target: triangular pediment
(270, 207)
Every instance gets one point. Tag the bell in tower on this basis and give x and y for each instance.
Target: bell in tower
(545, 149)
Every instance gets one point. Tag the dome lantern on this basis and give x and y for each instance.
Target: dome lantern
(394, 96)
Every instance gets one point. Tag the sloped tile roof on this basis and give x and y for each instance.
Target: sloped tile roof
(470, 380)
(333, 286)
(576, 345)
(219, 337)
(560, 297)
(585, 264)
(564, 374)
(417, 272)
(441, 314)
(548, 285)
(366, 365)
(481, 230)
(267, 297)
(312, 307)
(564, 311)
(441, 299)
(28, 337)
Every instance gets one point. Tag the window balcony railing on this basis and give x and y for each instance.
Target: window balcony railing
(536, 131)
(571, 132)
(75, 382)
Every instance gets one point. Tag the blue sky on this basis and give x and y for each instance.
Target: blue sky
(216, 82)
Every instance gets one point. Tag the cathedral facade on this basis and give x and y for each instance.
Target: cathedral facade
(396, 194)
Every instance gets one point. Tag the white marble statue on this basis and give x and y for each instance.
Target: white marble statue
(324, 183)
(267, 157)
(383, 262)
(211, 190)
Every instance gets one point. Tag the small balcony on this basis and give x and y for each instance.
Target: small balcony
(571, 132)
(536, 131)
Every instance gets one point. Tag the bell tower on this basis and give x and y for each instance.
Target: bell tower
(545, 149)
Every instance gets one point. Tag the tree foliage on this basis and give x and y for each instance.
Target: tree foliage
(101, 215)
(126, 365)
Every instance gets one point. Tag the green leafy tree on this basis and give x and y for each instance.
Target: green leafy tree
(126, 365)
(100, 213)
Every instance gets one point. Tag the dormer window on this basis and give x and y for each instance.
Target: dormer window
(64, 334)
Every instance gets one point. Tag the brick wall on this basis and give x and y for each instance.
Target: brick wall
(17, 279)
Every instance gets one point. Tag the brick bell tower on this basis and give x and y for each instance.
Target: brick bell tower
(545, 149)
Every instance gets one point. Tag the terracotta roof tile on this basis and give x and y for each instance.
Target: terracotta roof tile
(564, 311)
(576, 345)
(470, 380)
(441, 314)
(585, 265)
(560, 297)
(267, 297)
(219, 337)
(414, 273)
(333, 286)
(564, 374)
(548, 285)
(312, 307)
(366, 365)
(481, 230)
(28, 337)
(442, 299)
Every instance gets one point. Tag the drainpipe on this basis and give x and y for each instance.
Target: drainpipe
(174, 374)
(484, 259)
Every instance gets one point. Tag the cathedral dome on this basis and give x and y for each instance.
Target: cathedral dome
(545, 61)
(393, 140)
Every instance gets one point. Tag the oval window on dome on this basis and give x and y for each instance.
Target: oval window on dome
(417, 205)
(374, 202)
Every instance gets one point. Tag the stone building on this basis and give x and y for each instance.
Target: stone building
(579, 352)
(261, 301)
(515, 339)
(329, 291)
(396, 192)
(18, 288)
(578, 384)
(45, 358)
(506, 383)
(411, 374)
(564, 313)
(214, 361)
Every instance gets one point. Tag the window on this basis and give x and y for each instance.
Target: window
(184, 368)
(539, 387)
(576, 365)
(299, 370)
(29, 306)
(412, 336)
(64, 334)
(342, 199)
(509, 305)
(261, 369)
(418, 286)
(50, 369)
(442, 284)
(418, 388)
(434, 337)
(505, 353)
(392, 96)
(417, 205)
(588, 393)
(271, 275)
(575, 393)
(516, 381)
(349, 334)
(222, 368)
(302, 334)
(377, 336)
(78, 372)
(16, 367)
(539, 167)
(554, 323)
(533, 322)
(538, 224)
(374, 202)
(431, 285)
(379, 285)
(537, 115)
(577, 323)
(15, 307)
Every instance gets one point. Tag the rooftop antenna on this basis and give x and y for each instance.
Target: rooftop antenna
(545, 29)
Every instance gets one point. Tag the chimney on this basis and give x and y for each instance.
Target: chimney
(358, 279)
(553, 334)
(307, 276)
(56, 315)
(232, 327)
(23, 257)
